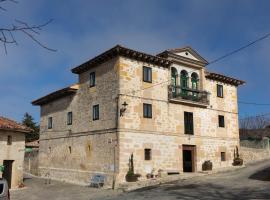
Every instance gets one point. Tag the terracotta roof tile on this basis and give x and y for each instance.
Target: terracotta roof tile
(8, 124)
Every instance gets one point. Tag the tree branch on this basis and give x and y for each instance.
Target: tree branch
(7, 36)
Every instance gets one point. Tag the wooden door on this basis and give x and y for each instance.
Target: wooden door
(7, 174)
(189, 153)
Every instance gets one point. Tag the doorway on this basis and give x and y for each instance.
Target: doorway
(7, 174)
(189, 158)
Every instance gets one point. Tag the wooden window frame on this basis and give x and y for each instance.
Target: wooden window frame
(189, 123)
(147, 154)
(92, 79)
(50, 122)
(147, 110)
(69, 118)
(9, 140)
(223, 156)
(220, 93)
(95, 112)
(147, 74)
(221, 121)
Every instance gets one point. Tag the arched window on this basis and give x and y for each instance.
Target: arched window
(174, 80)
(174, 76)
(184, 79)
(195, 81)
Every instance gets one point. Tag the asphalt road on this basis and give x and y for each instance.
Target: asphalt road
(252, 182)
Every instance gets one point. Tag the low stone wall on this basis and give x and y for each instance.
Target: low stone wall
(78, 177)
(252, 154)
(31, 162)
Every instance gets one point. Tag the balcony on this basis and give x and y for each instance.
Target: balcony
(188, 96)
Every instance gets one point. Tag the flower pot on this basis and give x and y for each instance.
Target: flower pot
(207, 166)
(237, 162)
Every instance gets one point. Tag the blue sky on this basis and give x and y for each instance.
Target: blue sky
(82, 29)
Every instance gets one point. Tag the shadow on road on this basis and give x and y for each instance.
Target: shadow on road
(263, 175)
(211, 192)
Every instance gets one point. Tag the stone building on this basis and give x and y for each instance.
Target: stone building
(166, 110)
(12, 145)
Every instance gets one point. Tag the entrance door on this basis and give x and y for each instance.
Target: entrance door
(189, 158)
(7, 174)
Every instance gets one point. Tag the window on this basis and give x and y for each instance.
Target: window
(188, 120)
(92, 79)
(147, 74)
(147, 154)
(184, 79)
(223, 156)
(50, 123)
(9, 140)
(69, 149)
(147, 110)
(69, 118)
(96, 112)
(220, 91)
(195, 81)
(221, 121)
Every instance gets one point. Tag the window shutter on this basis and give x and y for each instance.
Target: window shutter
(188, 120)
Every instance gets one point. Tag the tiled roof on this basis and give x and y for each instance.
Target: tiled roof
(56, 95)
(8, 124)
(121, 51)
(223, 78)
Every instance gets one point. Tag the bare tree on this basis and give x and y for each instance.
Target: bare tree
(7, 34)
(255, 122)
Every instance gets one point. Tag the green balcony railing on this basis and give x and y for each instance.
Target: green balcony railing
(180, 93)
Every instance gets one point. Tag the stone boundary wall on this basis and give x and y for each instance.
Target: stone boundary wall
(31, 162)
(257, 144)
(252, 154)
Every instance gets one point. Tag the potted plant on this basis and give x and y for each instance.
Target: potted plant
(131, 176)
(207, 165)
(237, 161)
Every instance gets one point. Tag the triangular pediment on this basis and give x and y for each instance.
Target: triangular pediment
(188, 52)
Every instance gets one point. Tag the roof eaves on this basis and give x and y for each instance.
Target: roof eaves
(121, 51)
(55, 95)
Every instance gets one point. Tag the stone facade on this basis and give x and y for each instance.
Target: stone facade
(12, 146)
(75, 152)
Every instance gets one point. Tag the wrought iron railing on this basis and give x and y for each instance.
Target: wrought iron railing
(181, 93)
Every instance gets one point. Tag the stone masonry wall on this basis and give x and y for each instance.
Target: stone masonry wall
(252, 155)
(164, 132)
(14, 152)
(75, 152)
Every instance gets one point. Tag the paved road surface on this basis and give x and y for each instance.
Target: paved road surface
(252, 182)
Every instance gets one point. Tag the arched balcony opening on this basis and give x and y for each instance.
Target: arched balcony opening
(184, 82)
(174, 76)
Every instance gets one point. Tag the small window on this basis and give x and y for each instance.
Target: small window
(188, 120)
(223, 156)
(69, 149)
(221, 121)
(69, 118)
(96, 112)
(220, 91)
(147, 110)
(9, 140)
(147, 74)
(92, 79)
(147, 154)
(50, 123)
